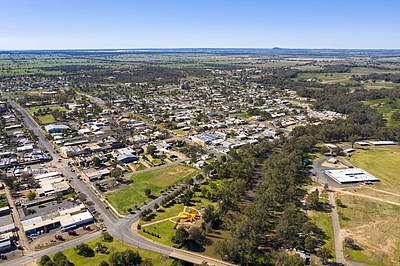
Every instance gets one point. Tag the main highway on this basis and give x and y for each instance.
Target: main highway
(119, 227)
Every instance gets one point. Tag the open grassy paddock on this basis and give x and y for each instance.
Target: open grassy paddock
(384, 163)
(375, 227)
(372, 222)
(114, 246)
(157, 179)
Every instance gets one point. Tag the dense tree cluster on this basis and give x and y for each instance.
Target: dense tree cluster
(393, 77)
(125, 258)
(59, 259)
(274, 219)
(69, 68)
(62, 97)
(362, 122)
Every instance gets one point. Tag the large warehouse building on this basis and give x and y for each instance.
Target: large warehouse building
(65, 219)
(350, 175)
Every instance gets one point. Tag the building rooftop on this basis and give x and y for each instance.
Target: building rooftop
(350, 175)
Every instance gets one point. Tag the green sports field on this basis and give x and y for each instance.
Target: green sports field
(157, 179)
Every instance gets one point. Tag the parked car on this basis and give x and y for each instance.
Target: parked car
(72, 233)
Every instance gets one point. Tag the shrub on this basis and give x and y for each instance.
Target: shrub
(84, 250)
(107, 237)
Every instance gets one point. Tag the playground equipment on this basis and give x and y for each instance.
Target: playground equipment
(186, 217)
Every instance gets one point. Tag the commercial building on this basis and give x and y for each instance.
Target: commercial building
(91, 176)
(56, 128)
(65, 220)
(204, 139)
(52, 186)
(126, 155)
(350, 175)
(382, 142)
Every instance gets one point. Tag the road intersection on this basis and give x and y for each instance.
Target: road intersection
(120, 228)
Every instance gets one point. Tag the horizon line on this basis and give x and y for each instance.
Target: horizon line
(198, 48)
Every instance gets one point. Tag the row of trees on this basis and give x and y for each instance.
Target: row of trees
(274, 219)
(118, 258)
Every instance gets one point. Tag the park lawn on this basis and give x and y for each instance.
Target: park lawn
(166, 212)
(173, 210)
(179, 132)
(243, 115)
(213, 238)
(116, 245)
(384, 163)
(51, 107)
(165, 230)
(45, 119)
(157, 180)
(374, 226)
(48, 118)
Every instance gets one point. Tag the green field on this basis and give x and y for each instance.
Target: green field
(243, 115)
(324, 221)
(386, 109)
(179, 132)
(326, 77)
(47, 118)
(166, 229)
(171, 211)
(375, 227)
(384, 163)
(51, 107)
(116, 245)
(3, 201)
(157, 180)
(374, 224)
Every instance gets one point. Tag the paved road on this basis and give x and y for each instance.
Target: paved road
(118, 227)
(23, 240)
(336, 230)
(35, 255)
(322, 178)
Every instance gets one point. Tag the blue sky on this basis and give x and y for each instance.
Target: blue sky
(74, 24)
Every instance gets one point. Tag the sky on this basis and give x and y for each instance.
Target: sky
(98, 24)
